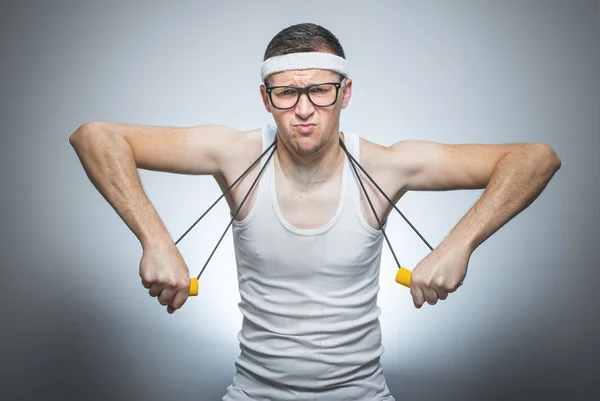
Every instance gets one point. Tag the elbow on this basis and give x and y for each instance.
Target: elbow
(547, 157)
(85, 132)
(552, 159)
(81, 133)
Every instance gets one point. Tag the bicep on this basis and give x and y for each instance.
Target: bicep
(185, 150)
(432, 166)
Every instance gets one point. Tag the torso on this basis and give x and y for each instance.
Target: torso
(308, 268)
(313, 206)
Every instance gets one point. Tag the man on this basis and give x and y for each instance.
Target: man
(307, 241)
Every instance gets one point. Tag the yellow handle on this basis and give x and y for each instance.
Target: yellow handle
(403, 276)
(193, 287)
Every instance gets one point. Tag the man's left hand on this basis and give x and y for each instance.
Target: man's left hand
(439, 274)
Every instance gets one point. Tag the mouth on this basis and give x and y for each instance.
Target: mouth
(305, 128)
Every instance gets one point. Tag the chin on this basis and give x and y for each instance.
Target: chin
(305, 149)
(307, 144)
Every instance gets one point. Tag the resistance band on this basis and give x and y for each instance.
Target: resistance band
(403, 275)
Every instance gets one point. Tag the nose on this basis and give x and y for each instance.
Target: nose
(304, 108)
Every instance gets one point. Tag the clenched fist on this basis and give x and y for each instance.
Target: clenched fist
(165, 275)
(440, 273)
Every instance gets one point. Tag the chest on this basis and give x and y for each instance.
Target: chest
(311, 206)
(307, 206)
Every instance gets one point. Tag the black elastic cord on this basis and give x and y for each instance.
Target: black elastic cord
(240, 206)
(352, 161)
(386, 197)
(225, 193)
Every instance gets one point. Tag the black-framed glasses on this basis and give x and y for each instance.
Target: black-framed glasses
(320, 95)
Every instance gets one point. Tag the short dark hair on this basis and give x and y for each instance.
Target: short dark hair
(305, 37)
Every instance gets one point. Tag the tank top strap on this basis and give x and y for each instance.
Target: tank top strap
(269, 133)
(352, 143)
(268, 136)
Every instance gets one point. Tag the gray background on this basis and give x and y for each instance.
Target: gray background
(76, 323)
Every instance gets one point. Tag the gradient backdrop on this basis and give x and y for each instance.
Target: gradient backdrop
(76, 323)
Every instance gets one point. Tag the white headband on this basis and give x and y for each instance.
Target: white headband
(303, 61)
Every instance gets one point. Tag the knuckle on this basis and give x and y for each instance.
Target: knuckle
(146, 280)
(165, 297)
(439, 282)
(165, 281)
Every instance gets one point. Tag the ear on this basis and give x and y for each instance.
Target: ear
(265, 98)
(346, 93)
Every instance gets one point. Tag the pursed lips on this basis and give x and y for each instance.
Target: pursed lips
(304, 128)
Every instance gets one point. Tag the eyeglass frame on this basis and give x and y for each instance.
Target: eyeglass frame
(305, 89)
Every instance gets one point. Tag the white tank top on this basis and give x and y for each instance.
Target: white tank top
(310, 327)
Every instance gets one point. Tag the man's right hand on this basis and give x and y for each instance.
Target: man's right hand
(111, 154)
(165, 275)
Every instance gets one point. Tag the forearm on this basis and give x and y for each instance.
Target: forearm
(517, 180)
(109, 163)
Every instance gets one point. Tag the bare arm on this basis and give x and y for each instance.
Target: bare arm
(111, 153)
(512, 176)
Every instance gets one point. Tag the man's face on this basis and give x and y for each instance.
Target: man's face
(307, 128)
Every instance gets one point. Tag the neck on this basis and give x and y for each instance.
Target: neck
(314, 168)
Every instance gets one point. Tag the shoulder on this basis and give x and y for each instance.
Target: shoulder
(402, 155)
(396, 164)
(375, 156)
(370, 149)
(248, 143)
(243, 150)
